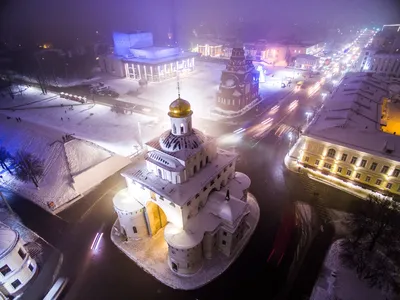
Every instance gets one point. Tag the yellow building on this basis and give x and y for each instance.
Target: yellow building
(346, 139)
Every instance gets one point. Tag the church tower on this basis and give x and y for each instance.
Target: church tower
(239, 83)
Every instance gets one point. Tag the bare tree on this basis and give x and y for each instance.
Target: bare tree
(373, 249)
(28, 167)
(5, 159)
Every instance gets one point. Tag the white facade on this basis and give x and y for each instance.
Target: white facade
(184, 187)
(16, 266)
(381, 63)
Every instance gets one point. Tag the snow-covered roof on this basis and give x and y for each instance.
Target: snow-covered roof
(123, 201)
(352, 116)
(216, 212)
(180, 194)
(8, 239)
(182, 146)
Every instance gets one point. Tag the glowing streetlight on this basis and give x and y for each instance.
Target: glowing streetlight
(308, 115)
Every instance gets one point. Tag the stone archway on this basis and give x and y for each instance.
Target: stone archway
(156, 218)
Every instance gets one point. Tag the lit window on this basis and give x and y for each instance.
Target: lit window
(344, 157)
(363, 163)
(348, 173)
(378, 181)
(331, 153)
(353, 160)
(373, 166)
(327, 166)
(317, 162)
(339, 169)
(384, 169)
(367, 179)
(358, 175)
(389, 186)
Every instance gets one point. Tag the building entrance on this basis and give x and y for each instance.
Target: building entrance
(156, 217)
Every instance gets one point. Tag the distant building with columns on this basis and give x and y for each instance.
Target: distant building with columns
(136, 57)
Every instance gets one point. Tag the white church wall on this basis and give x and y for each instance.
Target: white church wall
(224, 242)
(185, 261)
(133, 223)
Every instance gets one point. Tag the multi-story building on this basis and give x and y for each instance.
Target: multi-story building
(239, 84)
(382, 56)
(211, 49)
(352, 137)
(187, 188)
(136, 57)
(17, 268)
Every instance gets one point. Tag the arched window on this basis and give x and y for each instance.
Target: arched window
(206, 159)
(182, 128)
(331, 153)
(173, 128)
(159, 173)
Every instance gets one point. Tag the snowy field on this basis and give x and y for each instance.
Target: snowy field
(95, 123)
(198, 87)
(151, 255)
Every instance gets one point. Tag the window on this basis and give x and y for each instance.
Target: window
(204, 189)
(339, 169)
(367, 179)
(225, 169)
(212, 182)
(348, 173)
(16, 283)
(188, 204)
(223, 242)
(358, 175)
(21, 253)
(396, 173)
(306, 159)
(328, 166)
(389, 186)
(331, 153)
(384, 169)
(363, 163)
(344, 157)
(172, 204)
(161, 198)
(378, 181)
(30, 267)
(373, 166)
(224, 233)
(317, 162)
(5, 270)
(134, 229)
(353, 160)
(219, 176)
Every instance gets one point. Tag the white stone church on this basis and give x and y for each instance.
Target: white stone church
(187, 188)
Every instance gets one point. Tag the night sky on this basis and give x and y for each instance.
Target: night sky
(68, 19)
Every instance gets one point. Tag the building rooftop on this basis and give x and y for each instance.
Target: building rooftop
(180, 194)
(180, 56)
(8, 239)
(352, 117)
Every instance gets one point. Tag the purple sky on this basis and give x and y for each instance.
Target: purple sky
(68, 18)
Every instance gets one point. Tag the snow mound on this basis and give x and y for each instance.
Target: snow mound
(82, 155)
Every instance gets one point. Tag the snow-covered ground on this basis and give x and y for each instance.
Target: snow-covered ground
(95, 123)
(198, 87)
(346, 285)
(151, 255)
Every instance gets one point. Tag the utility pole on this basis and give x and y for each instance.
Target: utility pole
(5, 201)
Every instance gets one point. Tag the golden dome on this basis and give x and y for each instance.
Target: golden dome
(179, 108)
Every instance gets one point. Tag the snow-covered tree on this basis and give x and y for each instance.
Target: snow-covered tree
(28, 167)
(5, 159)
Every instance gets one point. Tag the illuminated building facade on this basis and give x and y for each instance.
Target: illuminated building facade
(210, 49)
(136, 57)
(348, 139)
(188, 189)
(17, 268)
(239, 83)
